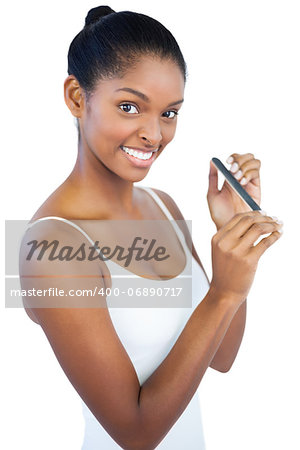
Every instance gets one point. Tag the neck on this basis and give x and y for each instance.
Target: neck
(98, 186)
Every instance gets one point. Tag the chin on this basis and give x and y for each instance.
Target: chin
(136, 179)
(133, 175)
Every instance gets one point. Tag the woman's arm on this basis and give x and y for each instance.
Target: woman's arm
(231, 342)
(93, 358)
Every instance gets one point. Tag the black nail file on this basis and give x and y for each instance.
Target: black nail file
(236, 185)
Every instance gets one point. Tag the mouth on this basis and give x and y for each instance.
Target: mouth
(142, 155)
(139, 158)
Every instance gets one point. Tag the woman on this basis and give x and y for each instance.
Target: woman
(137, 369)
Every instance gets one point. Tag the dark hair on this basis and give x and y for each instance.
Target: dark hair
(112, 41)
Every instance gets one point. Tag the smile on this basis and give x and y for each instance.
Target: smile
(138, 153)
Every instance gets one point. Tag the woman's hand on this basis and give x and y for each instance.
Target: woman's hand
(234, 256)
(224, 204)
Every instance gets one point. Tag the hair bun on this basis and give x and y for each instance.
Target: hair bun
(95, 14)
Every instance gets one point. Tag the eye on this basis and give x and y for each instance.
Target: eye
(170, 114)
(128, 108)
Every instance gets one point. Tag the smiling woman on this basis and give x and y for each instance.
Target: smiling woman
(137, 366)
(129, 119)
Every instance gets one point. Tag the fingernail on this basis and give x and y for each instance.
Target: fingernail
(262, 212)
(243, 180)
(234, 167)
(238, 174)
(280, 230)
(277, 220)
(229, 160)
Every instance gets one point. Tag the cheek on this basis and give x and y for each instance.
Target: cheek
(106, 130)
(114, 129)
(169, 133)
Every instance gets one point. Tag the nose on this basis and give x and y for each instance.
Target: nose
(151, 133)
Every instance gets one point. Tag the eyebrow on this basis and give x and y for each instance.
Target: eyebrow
(144, 97)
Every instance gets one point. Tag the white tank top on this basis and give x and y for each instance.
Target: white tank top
(148, 334)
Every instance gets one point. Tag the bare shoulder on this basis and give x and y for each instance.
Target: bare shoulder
(55, 204)
(54, 253)
(68, 201)
(71, 203)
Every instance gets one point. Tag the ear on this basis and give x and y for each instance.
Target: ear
(74, 96)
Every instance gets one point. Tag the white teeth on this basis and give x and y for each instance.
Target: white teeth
(136, 154)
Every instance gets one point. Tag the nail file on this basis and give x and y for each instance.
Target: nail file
(236, 185)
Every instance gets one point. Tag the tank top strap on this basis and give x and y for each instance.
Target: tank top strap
(158, 201)
(69, 222)
(62, 219)
(167, 213)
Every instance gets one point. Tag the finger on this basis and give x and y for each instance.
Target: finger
(236, 160)
(248, 170)
(250, 164)
(212, 180)
(255, 231)
(241, 158)
(264, 244)
(247, 176)
(245, 220)
(233, 238)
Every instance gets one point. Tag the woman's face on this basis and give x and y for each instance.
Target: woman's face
(136, 113)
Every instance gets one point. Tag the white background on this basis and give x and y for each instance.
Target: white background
(242, 95)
